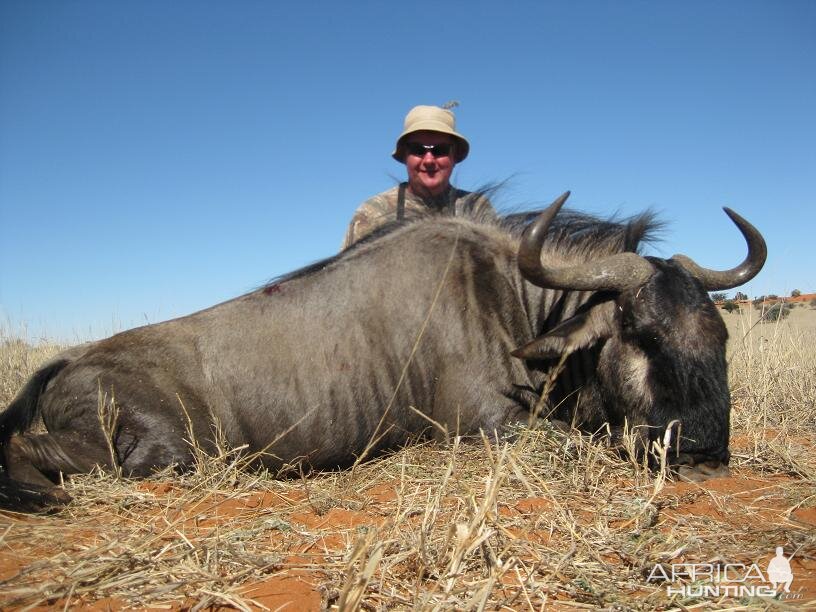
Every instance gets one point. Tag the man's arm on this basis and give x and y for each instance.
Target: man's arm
(359, 227)
(371, 214)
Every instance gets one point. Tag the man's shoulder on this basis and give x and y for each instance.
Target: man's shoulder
(389, 197)
(378, 206)
(372, 213)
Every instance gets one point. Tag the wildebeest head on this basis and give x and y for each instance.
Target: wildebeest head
(657, 337)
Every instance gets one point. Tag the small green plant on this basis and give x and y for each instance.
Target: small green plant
(730, 306)
(778, 311)
(719, 296)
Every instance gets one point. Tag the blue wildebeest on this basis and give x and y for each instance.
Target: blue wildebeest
(419, 324)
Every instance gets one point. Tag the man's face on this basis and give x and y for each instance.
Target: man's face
(428, 172)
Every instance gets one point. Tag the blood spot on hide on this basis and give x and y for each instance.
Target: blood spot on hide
(272, 289)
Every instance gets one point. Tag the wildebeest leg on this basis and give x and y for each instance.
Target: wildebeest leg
(38, 459)
(700, 471)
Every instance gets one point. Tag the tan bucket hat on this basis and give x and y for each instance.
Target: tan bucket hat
(433, 119)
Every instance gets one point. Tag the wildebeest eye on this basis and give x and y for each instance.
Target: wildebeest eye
(627, 319)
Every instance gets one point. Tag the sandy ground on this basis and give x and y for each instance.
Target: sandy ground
(307, 543)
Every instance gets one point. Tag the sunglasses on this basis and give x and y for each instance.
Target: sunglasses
(419, 149)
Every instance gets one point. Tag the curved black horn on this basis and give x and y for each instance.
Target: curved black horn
(714, 280)
(616, 272)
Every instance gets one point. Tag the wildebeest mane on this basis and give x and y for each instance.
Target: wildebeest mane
(573, 230)
(300, 272)
(570, 231)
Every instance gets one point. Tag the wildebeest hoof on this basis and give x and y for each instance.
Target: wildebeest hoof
(703, 471)
(24, 497)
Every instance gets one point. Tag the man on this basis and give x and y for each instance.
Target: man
(430, 147)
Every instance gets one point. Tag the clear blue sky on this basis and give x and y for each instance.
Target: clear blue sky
(157, 157)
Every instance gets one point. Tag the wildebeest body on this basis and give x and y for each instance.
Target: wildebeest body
(318, 360)
(414, 330)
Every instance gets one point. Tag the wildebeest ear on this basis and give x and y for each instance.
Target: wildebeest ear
(580, 331)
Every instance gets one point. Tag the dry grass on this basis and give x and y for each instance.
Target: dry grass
(772, 368)
(544, 521)
(18, 360)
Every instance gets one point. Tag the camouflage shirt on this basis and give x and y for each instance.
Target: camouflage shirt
(382, 208)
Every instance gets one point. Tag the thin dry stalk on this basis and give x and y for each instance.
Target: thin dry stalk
(108, 414)
(367, 554)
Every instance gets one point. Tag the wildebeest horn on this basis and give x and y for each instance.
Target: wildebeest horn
(616, 272)
(714, 280)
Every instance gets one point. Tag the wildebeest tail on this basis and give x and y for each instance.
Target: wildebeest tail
(24, 408)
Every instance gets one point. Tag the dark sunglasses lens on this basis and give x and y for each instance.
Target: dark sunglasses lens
(440, 150)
